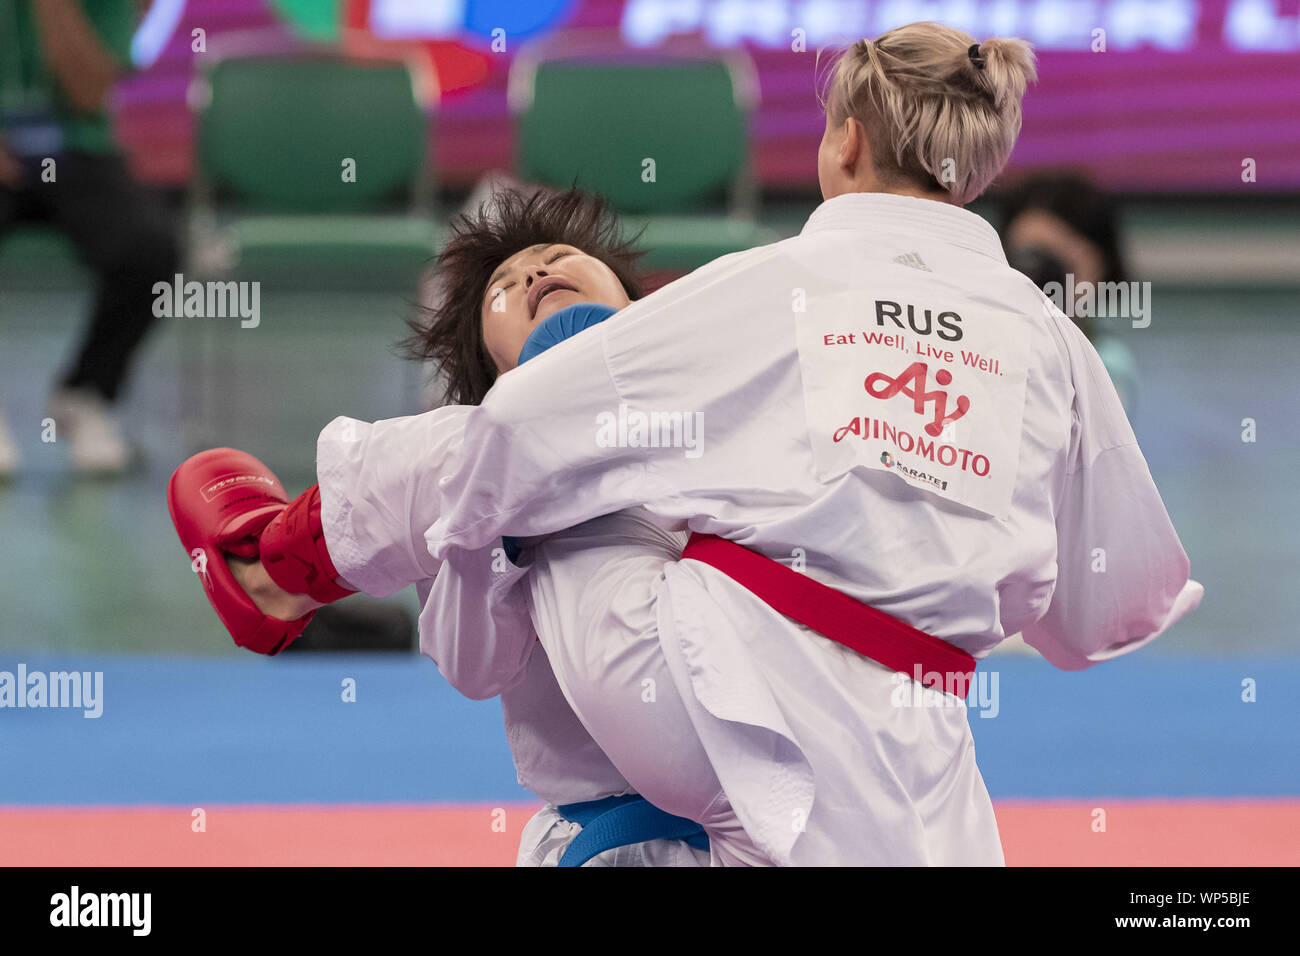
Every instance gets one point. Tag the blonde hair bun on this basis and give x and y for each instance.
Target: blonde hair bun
(940, 110)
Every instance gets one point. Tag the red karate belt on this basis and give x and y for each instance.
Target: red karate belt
(831, 613)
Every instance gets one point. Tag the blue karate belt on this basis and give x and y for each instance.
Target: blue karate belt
(623, 821)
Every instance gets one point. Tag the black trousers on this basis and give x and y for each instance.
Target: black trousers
(123, 232)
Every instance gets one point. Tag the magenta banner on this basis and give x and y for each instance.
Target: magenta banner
(1147, 95)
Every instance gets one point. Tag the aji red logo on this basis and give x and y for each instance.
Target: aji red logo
(912, 383)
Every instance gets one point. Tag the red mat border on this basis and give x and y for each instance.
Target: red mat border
(1245, 832)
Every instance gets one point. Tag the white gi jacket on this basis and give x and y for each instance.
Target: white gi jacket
(378, 496)
(888, 406)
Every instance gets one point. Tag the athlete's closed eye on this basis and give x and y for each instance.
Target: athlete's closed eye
(498, 290)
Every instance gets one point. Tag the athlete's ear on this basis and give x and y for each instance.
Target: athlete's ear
(853, 145)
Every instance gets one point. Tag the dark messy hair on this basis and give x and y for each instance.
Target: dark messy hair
(449, 333)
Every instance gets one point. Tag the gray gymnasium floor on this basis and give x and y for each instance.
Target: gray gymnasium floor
(96, 565)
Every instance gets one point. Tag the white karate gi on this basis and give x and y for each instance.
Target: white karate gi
(818, 761)
(490, 649)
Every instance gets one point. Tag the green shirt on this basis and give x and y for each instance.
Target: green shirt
(35, 117)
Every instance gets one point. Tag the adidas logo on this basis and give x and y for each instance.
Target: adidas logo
(913, 260)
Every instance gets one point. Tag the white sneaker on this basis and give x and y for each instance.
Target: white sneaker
(98, 446)
(9, 457)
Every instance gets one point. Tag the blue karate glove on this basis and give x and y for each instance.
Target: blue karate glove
(561, 325)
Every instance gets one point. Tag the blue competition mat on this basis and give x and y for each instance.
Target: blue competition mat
(252, 730)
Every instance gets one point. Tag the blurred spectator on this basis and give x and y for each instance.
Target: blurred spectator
(59, 165)
(1054, 224)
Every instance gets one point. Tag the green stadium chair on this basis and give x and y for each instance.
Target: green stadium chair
(269, 200)
(273, 133)
(597, 122)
